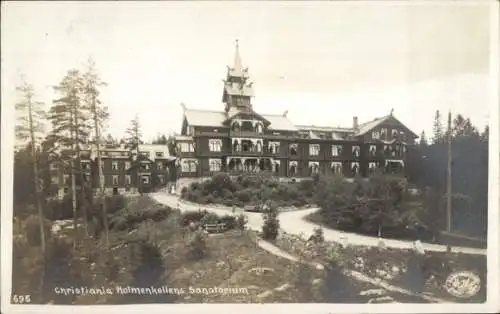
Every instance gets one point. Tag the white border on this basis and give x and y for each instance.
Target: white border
(492, 305)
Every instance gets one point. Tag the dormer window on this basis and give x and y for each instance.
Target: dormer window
(375, 135)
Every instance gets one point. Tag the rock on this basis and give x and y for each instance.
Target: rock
(283, 287)
(372, 292)
(317, 281)
(418, 247)
(264, 294)
(381, 244)
(260, 270)
(395, 269)
(220, 264)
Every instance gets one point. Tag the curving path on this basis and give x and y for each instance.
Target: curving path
(293, 222)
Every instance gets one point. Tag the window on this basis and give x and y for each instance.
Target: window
(376, 135)
(355, 168)
(145, 154)
(336, 168)
(235, 127)
(336, 150)
(189, 165)
(54, 179)
(383, 133)
(292, 168)
(273, 147)
(372, 168)
(215, 145)
(186, 147)
(373, 150)
(314, 167)
(145, 167)
(127, 165)
(54, 166)
(115, 180)
(402, 136)
(394, 133)
(66, 179)
(161, 179)
(128, 179)
(114, 165)
(159, 165)
(356, 151)
(86, 177)
(145, 179)
(293, 149)
(215, 165)
(313, 149)
(236, 146)
(159, 154)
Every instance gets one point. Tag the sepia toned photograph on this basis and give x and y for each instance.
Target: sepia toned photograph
(183, 153)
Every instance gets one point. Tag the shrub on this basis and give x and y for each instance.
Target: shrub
(244, 195)
(229, 221)
(197, 247)
(241, 222)
(271, 225)
(210, 218)
(318, 236)
(192, 216)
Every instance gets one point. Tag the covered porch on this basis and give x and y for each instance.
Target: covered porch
(252, 164)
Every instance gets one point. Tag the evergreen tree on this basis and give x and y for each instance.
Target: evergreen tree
(485, 134)
(100, 114)
(271, 226)
(134, 135)
(71, 128)
(463, 127)
(160, 139)
(30, 114)
(438, 135)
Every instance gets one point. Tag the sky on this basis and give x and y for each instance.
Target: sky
(324, 62)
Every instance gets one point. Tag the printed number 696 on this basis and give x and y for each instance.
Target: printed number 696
(20, 299)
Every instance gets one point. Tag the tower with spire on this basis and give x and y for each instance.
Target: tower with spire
(238, 89)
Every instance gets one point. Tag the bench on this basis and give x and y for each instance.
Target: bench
(218, 228)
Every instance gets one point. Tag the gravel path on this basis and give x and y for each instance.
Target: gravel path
(293, 222)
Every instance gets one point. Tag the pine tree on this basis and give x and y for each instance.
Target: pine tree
(485, 134)
(70, 121)
(438, 135)
(423, 139)
(30, 114)
(92, 83)
(134, 135)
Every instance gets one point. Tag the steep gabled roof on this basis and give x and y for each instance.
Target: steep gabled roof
(210, 118)
(368, 126)
(279, 123)
(196, 117)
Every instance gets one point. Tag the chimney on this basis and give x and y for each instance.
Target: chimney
(355, 123)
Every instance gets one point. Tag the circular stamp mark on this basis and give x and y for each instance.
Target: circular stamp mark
(462, 284)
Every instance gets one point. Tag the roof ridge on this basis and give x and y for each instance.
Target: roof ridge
(204, 110)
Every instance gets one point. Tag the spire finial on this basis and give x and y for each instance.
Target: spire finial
(237, 66)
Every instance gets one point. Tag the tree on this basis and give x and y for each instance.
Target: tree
(485, 134)
(30, 114)
(463, 127)
(71, 128)
(423, 139)
(437, 129)
(134, 135)
(271, 225)
(92, 83)
(160, 139)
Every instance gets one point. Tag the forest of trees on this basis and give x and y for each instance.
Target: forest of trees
(469, 173)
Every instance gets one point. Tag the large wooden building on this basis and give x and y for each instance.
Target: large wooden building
(238, 139)
(123, 171)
